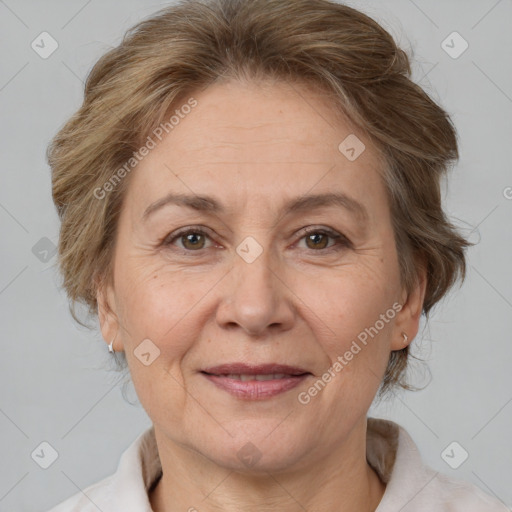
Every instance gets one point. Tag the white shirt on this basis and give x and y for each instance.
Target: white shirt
(411, 486)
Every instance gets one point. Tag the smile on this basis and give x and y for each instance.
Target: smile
(255, 387)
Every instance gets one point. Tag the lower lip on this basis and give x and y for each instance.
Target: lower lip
(256, 389)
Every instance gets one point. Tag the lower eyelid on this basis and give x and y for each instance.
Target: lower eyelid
(340, 242)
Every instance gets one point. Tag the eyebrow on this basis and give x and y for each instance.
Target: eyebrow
(295, 205)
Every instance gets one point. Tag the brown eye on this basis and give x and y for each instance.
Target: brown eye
(190, 240)
(317, 240)
(193, 240)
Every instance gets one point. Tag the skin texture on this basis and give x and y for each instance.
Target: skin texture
(302, 302)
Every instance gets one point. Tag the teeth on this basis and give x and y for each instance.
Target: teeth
(245, 378)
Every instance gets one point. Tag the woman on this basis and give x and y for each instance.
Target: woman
(250, 202)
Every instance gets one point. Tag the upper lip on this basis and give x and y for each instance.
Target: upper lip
(257, 369)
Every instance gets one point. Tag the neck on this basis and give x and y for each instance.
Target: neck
(340, 482)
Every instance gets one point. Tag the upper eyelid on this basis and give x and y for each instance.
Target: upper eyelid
(188, 229)
(303, 232)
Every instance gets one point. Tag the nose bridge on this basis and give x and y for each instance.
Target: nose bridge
(252, 271)
(254, 297)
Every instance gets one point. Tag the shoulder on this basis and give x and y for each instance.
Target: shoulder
(411, 485)
(91, 499)
(451, 495)
(126, 489)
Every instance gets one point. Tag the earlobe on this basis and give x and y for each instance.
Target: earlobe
(408, 319)
(107, 316)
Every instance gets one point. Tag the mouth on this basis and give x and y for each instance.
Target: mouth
(255, 382)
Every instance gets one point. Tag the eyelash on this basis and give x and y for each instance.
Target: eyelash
(341, 242)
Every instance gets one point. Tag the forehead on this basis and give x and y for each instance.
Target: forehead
(241, 117)
(258, 140)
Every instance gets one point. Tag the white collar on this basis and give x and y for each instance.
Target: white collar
(411, 486)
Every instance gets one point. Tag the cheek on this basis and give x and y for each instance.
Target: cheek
(354, 320)
(157, 306)
(165, 307)
(353, 304)
(151, 297)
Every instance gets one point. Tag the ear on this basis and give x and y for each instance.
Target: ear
(107, 313)
(408, 318)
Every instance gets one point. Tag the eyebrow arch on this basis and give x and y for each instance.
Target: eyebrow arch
(300, 204)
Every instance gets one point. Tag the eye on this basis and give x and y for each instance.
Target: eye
(317, 239)
(192, 239)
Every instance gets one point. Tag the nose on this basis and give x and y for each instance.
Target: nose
(256, 298)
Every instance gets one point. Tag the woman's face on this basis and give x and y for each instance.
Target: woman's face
(245, 278)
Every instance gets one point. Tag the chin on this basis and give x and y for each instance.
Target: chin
(257, 448)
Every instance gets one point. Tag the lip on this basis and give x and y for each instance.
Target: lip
(254, 389)
(258, 369)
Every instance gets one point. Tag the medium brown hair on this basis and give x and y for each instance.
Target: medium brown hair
(188, 46)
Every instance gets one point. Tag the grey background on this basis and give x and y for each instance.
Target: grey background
(53, 383)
